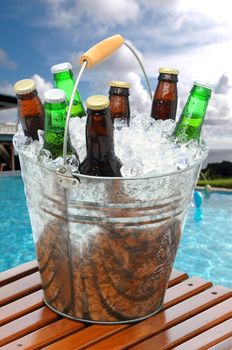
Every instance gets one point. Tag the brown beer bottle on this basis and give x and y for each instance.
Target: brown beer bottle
(30, 108)
(165, 97)
(101, 159)
(119, 101)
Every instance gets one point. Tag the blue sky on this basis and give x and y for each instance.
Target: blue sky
(193, 36)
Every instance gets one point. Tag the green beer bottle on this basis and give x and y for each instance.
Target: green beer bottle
(64, 80)
(55, 117)
(192, 117)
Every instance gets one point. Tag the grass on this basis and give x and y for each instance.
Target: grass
(226, 183)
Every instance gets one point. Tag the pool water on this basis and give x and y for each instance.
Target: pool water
(205, 249)
(206, 244)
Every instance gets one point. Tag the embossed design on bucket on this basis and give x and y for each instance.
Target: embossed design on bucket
(106, 248)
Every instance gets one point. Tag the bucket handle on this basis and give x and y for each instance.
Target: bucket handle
(89, 59)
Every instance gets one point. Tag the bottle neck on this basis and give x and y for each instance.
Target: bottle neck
(192, 117)
(200, 92)
(196, 105)
(119, 91)
(168, 77)
(55, 115)
(99, 135)
(28, 95)
(61, 76)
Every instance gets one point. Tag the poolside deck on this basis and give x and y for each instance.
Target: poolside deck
(196, 315)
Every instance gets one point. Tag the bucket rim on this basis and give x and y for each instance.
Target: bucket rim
(124, 178)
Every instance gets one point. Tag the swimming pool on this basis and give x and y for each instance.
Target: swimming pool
(205, 249)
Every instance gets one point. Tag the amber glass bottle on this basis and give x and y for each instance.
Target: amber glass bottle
(164, 102)
(101, 159)
(119, 101)
(30, 108)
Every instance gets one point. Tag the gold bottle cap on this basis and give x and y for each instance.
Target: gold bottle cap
(24, 86)
(169, 71)
(61, 67)
(122, 84)
(97, 102)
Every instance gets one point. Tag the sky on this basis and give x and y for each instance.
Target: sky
(193, 36)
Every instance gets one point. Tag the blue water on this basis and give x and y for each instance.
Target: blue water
(205, 249)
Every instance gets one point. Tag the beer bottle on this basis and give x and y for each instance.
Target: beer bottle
(164, 102)
(55, 118)
(119, 101)
(30, 108)
(101, 159)
(64, 80)
(192, 117)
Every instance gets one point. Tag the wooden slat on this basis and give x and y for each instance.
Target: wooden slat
(176, 277)
(18, 272)
(33, 301)
(86, 337)
(165, 319)
(19, 288)
(209, 338)
(224, 345)
(188, 329)
(191, 286)
(45, 335)
(31, 283)
(21, 307)
(97, 333)
(26, 324)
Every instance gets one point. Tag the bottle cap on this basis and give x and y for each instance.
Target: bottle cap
(203, 84)
(122, 84)
(61, 67)
(54, 96)
(97, 102)
(169, 71)
(24, 86)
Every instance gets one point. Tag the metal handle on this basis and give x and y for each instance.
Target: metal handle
(94, 55)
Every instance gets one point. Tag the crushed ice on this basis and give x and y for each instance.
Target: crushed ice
(145, 148)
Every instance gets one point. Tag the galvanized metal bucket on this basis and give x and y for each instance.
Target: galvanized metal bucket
(106, 246)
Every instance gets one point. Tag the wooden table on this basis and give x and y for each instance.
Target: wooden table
(196, 315)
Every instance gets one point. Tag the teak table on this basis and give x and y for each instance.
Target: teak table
(195, 315)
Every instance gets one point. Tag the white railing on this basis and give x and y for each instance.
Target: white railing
(8, 129)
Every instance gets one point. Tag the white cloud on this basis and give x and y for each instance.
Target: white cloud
(192, 36)
(122, 65)
(107, 14)
(9, 116)
(5, 61)
(223, 86)
(41, 85)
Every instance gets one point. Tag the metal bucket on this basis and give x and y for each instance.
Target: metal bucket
(106, 246)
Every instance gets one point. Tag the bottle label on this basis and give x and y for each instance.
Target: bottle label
(58, 119)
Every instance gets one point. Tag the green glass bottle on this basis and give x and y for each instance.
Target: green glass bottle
(55, 117)
(192, 117)
(64, 80)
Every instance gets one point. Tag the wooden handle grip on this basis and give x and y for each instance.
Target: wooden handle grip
(102, 50)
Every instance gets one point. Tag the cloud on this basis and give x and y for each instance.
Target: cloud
(122, 65)
(41, 85)
(10, 116)
(5, 61)
(192, 36)
(223, 86)
(68, 14)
